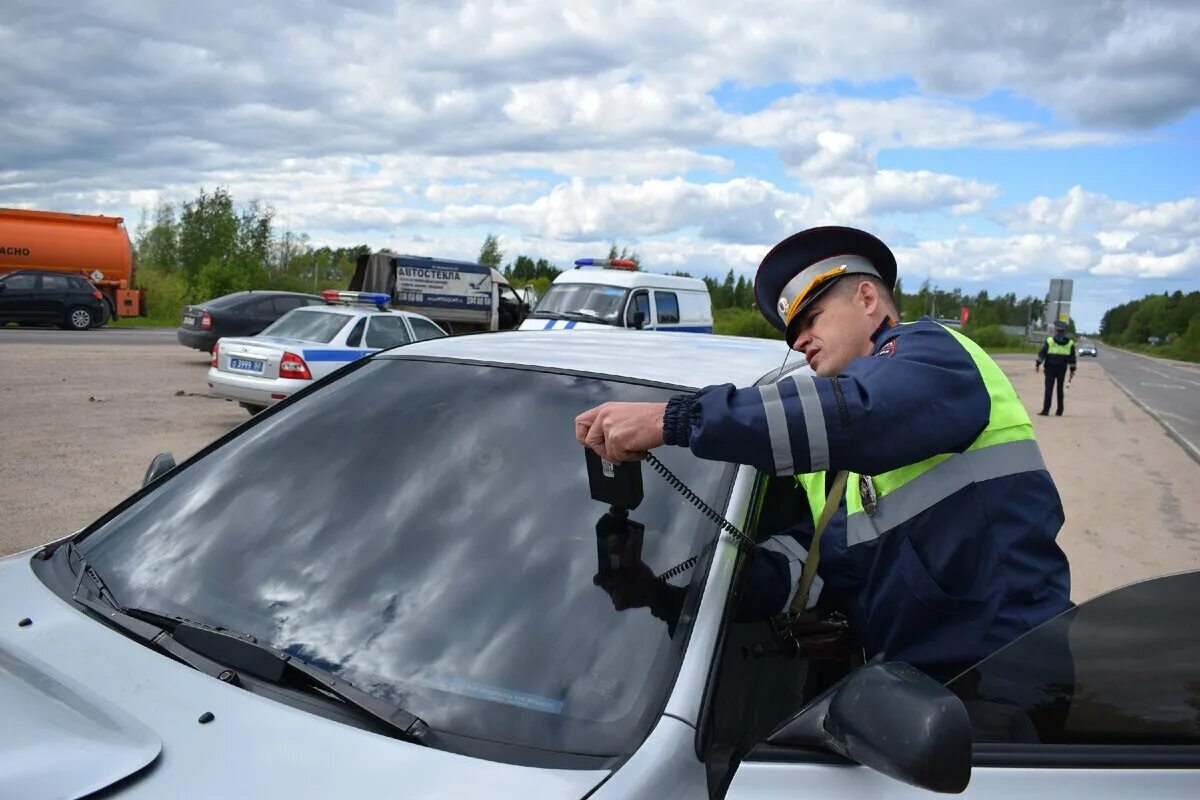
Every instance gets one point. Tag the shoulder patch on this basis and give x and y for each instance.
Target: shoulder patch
(888, 350)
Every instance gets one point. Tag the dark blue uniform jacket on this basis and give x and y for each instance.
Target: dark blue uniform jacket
(943, 589)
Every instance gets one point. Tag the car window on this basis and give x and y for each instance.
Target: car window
(640, 302)
(227, 301)
(1120, 669)
(309, 326)
(21, 282)
(354, 339)
(424, 329)
(667, 306)
(282, 305)
(386, 331)
(260, 308)
(56, 283)
(457, 578)
(80, 285)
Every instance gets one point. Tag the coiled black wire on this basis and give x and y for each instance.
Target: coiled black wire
(743, 541)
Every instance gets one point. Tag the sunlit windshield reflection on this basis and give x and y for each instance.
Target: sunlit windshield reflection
(583, 301)
(426, 530)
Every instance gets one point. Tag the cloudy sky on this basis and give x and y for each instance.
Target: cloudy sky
(992, 145)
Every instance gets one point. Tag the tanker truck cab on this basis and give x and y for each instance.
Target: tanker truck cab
(607, 293)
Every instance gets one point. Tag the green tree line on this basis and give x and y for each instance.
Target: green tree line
(208, 246)
(1169, 322)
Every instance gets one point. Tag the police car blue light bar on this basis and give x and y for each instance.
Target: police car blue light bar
(366, 298)
(618, 263)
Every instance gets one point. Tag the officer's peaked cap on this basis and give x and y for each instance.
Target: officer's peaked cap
(783, 285)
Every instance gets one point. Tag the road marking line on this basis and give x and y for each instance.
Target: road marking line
(1182, 440)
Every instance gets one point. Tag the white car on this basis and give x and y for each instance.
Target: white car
(307, 344)
(389, 588)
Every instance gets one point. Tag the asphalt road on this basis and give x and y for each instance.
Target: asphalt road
(96, 336)
(1170, 391)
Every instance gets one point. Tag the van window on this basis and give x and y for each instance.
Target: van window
(667, 306)
(640, 302)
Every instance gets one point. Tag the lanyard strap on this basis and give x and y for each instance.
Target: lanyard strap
(814, 548)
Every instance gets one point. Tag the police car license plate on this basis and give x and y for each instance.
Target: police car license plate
(246, 364)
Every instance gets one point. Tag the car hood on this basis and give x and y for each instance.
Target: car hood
(86, 707)
(59, 739)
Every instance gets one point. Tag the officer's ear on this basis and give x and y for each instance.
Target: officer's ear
(867, 296)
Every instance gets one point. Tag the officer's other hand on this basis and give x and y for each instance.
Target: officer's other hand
(621, 431)
(628, 588)
(1037, 367)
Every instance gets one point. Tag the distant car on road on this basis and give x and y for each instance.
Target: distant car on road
(309, 343)
(1086, 350)
(237, 314)
(35, 297)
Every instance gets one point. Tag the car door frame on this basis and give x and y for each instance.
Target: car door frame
(631, 307)
(1065, 771)
(52, 304)
(8, 300)
(371, 319)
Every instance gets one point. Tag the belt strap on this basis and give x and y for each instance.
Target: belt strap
(814, 548)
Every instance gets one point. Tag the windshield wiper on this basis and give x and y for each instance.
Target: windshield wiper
(217, 651)
(244, 652)
(546, 315)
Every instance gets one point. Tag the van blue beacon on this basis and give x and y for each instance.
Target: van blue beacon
(601, 293)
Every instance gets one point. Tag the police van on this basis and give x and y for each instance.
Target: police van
(614, 293)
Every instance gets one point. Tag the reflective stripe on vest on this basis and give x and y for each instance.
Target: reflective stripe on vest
(1053, 348)
(1005, 447)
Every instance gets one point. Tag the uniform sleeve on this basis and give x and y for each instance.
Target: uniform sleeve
(1071, 357)
(923, 398)
(1041, 356)
(772, 576)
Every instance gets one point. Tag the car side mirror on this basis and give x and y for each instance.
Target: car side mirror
(160, 465)
(639, 319)
(894, 719)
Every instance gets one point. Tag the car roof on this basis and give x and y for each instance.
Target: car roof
(46, 272)
(355, 310)
(679, 359)
(630, 279)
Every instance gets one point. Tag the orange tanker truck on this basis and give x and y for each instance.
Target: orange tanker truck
(79, 244)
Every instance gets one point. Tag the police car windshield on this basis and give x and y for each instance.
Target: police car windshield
(426, 531)
(308, 326)
(583, 301)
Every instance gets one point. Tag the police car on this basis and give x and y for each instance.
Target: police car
(309, 343)
(384, 586)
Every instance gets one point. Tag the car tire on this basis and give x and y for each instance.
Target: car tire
(80, 319)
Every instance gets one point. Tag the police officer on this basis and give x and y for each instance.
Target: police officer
(1058, 353)
(942, 548)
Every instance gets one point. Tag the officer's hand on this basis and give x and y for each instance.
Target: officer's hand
(1037, 367)
(629, 588)
(621, 431)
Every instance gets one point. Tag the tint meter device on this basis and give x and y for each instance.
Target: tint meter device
(618, 484)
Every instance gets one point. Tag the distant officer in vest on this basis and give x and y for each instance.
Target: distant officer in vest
(1058, 353)
(942, 546)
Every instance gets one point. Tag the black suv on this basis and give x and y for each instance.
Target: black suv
(237, 314)
(34, 297)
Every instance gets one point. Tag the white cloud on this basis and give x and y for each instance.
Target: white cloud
(567, 126)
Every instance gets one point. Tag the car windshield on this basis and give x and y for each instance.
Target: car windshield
(426, 530)
(308, 326)
(584, 301)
